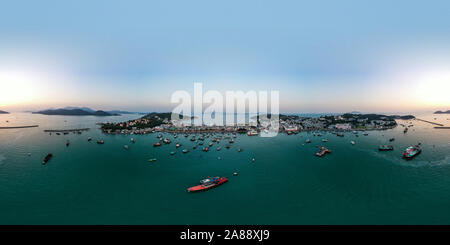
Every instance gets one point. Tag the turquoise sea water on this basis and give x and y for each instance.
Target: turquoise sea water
(88, 183)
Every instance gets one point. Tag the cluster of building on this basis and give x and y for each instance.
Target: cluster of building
(287, 124)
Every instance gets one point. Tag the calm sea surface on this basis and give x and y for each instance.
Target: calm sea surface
(87, 183)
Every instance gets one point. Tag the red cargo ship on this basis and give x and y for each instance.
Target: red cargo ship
(207, 184)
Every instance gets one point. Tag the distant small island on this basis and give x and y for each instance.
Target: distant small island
(75, 112)
(442, 112)
(3, 112)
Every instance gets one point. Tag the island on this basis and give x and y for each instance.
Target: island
(290, 124)
(75, 112)
(3, 112)
(442, 112)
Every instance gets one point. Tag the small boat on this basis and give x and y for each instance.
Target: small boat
(391, 139)
(207, 184)
(411, 152)
(219, 148)
(205, 149)
(227, 146)
(178, 145)
(67, 143)
(152, 160)
(200, 143)
(340, 134)
(253, 160)
(365, 134)
(47, 158)
(100, 142)
(89, 139)
(386, 148)
(126, 147)
(405, 131)
(173, 152)
(166, 141)
(352, 142)
(324, 140)
(308, 141)
(132, 140)
(58, 133)
(239, 149)
(210, 143)
(186, 150)
(194, 147)
(66, 133)
(157, 144)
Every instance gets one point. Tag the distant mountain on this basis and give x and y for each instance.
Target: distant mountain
(123, 112)
(74, 112)
(442, 112)
(4, 112)
(81, 108)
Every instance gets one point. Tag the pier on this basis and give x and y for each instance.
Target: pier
(65, 130)
(438, 124)
(15, 127)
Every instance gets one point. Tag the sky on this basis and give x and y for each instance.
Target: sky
(322, 56)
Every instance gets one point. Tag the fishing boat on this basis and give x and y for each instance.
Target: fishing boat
(322, 151)
(411, 152)
(208, 183)
(47, 158)
(386, 148)
(100, 142)
(156, 144)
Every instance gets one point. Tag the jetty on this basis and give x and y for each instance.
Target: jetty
(31, 126)
(442, 127)
(438, 124)
(65, 130)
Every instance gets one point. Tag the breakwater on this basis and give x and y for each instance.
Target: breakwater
(15, 127)
(65, 130)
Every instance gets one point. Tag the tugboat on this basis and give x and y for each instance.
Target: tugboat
(156, 144)
(47, 158)
(207, 184)
(100, 142)
(67, 143)
(386, 148)
(411, 152)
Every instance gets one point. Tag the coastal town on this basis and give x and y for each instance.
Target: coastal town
(289, 124)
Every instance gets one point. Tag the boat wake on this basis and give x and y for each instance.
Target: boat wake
(413, 163)
(2, 158)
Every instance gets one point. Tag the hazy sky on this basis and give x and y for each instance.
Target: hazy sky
(323, 56)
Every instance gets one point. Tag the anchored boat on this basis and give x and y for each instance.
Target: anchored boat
(47, 158)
